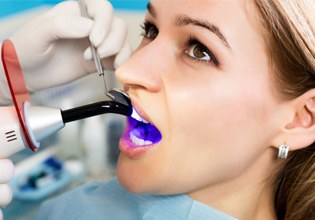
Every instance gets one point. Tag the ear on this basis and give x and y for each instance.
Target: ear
(300, 131)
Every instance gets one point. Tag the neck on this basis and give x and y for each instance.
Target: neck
(247, 196)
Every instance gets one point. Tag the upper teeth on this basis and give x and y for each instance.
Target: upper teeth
(136, 116)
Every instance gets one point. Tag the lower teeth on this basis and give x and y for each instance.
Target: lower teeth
(139, 142)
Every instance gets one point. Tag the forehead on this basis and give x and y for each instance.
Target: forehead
(237, 19)
(205, 7)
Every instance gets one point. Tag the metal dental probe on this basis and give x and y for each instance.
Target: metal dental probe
(114, 94)
(95, 54)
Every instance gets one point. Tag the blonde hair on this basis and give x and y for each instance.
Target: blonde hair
(289, 29)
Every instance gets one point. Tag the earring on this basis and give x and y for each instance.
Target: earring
(283, 151)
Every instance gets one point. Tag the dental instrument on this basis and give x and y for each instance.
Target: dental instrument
(95, 54)
(112, 94)
(24, 125)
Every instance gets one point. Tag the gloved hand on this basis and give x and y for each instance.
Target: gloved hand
(51, 47)
(53, 50)
(7, 172)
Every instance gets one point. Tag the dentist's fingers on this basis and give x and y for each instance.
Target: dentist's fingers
(114, 42)
(6, 170)
(1, 215)
(101, 12)
(116, 39)
(65, 8)
(65, 21)
(6, 195)
(67, 27)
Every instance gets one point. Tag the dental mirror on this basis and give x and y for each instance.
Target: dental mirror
(120, 97)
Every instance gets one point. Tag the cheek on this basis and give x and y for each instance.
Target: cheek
(219, 125)
(217, 107)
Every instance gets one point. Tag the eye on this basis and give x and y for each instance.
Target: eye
(150, 31)
(199, 52)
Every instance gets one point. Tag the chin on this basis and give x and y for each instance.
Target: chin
(131, 177)
(138, 178)
(133, 183)
(130, 185)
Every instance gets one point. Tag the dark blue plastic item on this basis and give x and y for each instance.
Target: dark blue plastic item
(48, 177)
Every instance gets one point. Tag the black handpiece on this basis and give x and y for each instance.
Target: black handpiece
(120, 104)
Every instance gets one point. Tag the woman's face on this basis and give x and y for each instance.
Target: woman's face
(201, 77)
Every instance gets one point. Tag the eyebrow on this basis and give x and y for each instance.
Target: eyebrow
(183, 20)
(151, 10)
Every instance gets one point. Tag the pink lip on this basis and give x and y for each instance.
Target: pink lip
(128, 149)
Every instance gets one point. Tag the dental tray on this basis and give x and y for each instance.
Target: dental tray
(42, 181)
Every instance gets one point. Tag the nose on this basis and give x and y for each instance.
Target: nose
(143, 70)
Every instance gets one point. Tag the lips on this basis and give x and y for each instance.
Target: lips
(141, 136)
(140, 129)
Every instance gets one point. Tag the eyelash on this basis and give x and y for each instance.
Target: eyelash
(148, 26)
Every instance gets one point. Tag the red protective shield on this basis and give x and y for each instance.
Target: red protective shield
(17, 85)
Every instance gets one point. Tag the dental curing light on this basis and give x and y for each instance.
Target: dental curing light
(24, 126)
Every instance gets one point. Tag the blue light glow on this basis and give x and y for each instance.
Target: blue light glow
(145, 131)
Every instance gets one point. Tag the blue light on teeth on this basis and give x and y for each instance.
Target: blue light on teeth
(143, 131)
(136, 116)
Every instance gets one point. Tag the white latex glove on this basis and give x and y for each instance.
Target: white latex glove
(53, 48)
(6, 174)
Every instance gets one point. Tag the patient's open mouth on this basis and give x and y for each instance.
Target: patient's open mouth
(141, 132)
